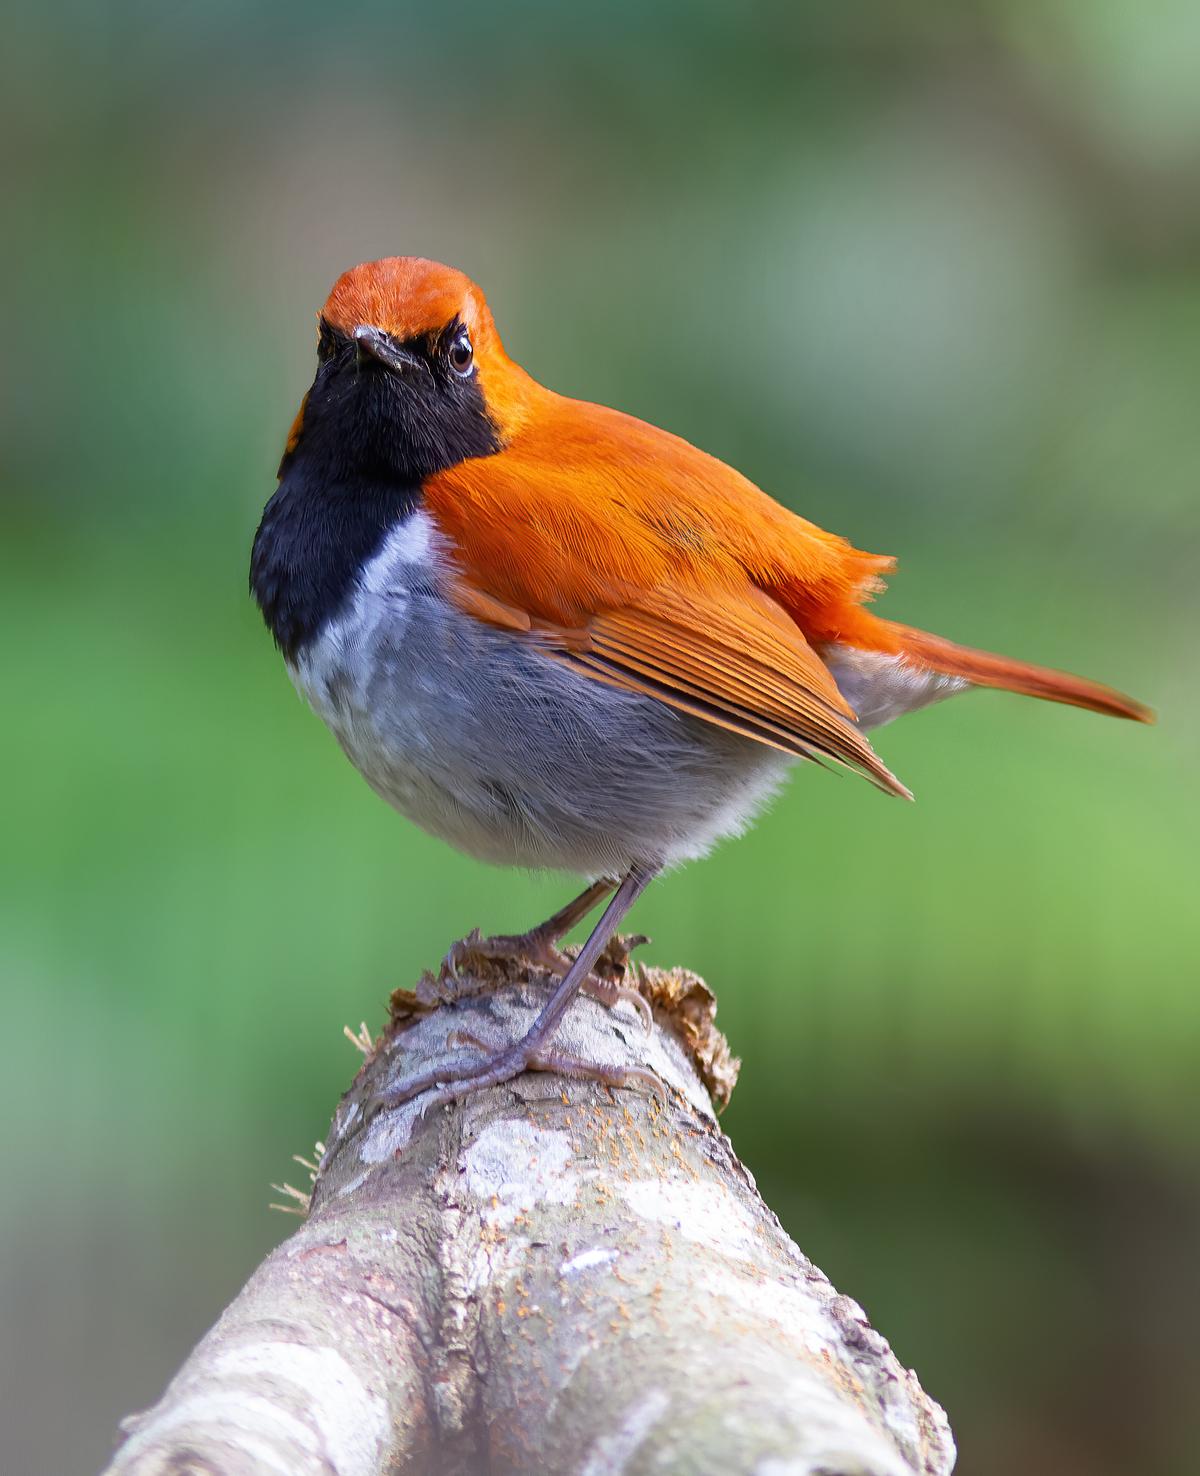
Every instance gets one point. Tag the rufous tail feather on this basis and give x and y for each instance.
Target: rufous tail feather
(988, 670)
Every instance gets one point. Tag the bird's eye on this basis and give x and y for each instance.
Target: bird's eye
(460, 353)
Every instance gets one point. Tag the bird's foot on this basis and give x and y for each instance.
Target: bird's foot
(533, 1051)
(452, 1082)
(536, 947)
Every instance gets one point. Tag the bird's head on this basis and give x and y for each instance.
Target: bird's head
(411, 375)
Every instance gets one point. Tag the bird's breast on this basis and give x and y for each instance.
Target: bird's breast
(481, 738)
(361, 666)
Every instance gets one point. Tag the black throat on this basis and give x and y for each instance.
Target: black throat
(315, 537)
(366, 441)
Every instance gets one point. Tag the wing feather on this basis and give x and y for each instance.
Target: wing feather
(645, 564)
(733, 667)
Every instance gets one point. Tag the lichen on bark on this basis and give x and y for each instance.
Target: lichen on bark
(551, 1276)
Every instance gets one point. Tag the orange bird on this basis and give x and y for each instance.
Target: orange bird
(557, 636)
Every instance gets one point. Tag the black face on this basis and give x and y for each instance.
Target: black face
(380, 418)
(404, 410)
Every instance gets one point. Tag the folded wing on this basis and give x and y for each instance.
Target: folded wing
(642, 562)
(735, 661)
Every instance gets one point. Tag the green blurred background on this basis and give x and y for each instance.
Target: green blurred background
(928, 272)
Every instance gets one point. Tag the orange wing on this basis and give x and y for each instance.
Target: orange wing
(641, 561)
(728, 662)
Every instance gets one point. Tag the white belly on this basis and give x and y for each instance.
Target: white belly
(485, 741)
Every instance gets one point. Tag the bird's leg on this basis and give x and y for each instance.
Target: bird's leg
(537, 946)
(451, 1082)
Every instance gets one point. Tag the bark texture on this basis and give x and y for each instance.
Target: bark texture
(549, 1277)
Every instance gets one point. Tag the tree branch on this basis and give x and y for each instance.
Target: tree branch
(548, 1277)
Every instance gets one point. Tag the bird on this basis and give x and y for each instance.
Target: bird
(559, 637)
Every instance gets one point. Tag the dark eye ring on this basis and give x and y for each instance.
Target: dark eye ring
(461, 354)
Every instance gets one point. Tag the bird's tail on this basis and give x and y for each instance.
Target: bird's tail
(985, 669)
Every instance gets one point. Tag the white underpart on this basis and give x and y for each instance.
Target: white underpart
(334, 672)
(382, 592)
(488, 742)
(484, 739)
(880, 687)
(410, 542)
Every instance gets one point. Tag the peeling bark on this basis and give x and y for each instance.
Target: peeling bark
(549, 1277)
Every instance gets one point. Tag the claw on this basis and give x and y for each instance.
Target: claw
(460, 953)
(467, 1038)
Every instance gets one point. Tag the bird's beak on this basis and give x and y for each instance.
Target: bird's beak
(374, 343)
